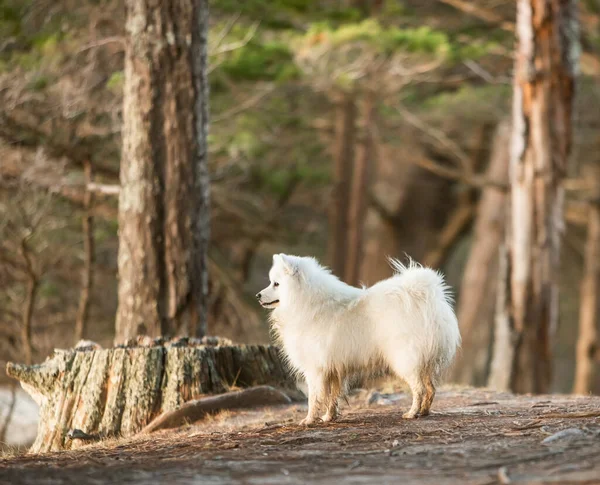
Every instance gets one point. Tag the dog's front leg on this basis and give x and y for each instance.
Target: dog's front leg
(316, 388)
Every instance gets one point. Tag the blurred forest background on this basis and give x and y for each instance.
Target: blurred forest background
(393, 113)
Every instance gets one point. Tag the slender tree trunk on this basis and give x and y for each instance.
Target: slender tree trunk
(476, 305)
(358, 193)
(345, 114)
(505, 338)
(589, 307)
(163, 203)
(88, 261)
(541, 143)
(32, 287)
(28, 304)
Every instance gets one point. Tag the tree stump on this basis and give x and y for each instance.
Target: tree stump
(118, 391)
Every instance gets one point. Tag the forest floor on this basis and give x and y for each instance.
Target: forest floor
(472, 437)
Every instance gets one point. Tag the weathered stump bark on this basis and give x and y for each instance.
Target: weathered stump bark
(118, 391)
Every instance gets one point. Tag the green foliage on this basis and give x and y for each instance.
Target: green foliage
(45, 49)
(268, 61)
(273, 179)
(473, 50)
(260, 6)
(285, 14)
(314, 175)
(115, 82)
(394, 8)
(38, 83)
(47, 43)
(386, 40)
(245, 142)
(105, 229)
(48, 289)
(592, 5)
(468, 95)
(28, 61)
(11, 15)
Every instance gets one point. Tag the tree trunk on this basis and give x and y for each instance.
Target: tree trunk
(116, 392)
(88, 260)
(358, 193)
(589, 306)
(163, 203)
(541, 143)
(476, 305)
(33, 282)
(345, 114)
(505, 344)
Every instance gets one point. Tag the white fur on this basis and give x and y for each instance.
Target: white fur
(329, 330)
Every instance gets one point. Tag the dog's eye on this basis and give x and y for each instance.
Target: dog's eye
(275, 284)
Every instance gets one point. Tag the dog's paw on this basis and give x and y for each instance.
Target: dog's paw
(307, 421)
(410, 415)
(327, 418)
(424, 412)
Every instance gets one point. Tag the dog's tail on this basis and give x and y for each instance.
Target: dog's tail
(430, 296)
(418, 277)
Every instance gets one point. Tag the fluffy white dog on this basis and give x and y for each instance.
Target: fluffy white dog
(330, 331)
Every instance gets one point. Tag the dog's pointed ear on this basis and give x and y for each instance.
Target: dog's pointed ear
(277, 260)
(286, 263)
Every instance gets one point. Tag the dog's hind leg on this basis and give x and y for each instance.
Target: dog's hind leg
(427, 398)
(418, 393)
(333, 389)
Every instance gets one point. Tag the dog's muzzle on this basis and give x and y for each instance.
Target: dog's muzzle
(265, 304)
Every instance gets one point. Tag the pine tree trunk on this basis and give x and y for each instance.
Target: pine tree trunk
(589, 306)
(116, 392)
(163, 204)
(88, 258)
(358, 194)
(476, 306)
(541, 143)
(345, 115)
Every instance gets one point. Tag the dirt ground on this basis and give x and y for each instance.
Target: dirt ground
(472, 437)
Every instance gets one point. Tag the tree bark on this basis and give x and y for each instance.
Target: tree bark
(163, 203)
(589, 306)
(345, 114)
(358, 193)
(116, 392)
(544, 85)
(476, 305)
(88, 258)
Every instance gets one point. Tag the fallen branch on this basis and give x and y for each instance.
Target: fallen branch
(105, 189)
(589, 414)
(195, 410)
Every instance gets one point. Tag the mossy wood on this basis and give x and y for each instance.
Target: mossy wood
(118, 391)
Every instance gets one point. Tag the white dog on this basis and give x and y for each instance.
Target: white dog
(330, 330)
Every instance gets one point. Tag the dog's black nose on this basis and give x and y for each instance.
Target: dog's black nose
(258, 296)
